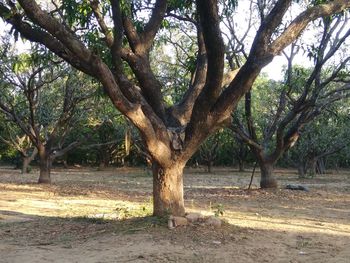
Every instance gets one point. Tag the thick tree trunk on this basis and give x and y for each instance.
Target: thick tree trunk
(168, 196)
(45, 168)
(267, 179)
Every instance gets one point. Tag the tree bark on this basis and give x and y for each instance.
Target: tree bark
(102, 165)
(209, 166)
(25, 164)
(241, 167)
(27, 159)
(301, 170)
(168, 190)
(312, 167)
(65, 163)
(267, 178)
(320, 166)
(45, 168)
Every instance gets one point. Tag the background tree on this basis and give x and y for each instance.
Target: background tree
(326, 136)
(43, 101)
(75, 31)
(208, 151)
(11, 135)
(240, 152)
(304, 95)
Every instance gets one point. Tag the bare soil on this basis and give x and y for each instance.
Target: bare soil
(105, 216)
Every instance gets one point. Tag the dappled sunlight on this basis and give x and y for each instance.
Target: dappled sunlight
(42, 201)
(99, 210)
(296, 225)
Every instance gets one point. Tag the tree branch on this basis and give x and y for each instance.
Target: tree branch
(153, 25)
(95, 6)
(299, 24)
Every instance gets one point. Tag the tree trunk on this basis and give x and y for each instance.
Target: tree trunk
(301, 170)
(25, 164)
(101, 166)
(104, 158)
(27, 159)
(65, 161)
(168, 190)
(320, 166)
(312, 167)
(65, 164)
(209, 166)
(241, 166)
(267, 179)
(45, 168)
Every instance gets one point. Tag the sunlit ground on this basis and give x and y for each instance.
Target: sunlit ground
(85, 207)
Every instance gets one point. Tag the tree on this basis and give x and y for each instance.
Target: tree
(326, 136)
(11, 135)
(304, 95)
(171, 133)
(43, 101)
(240, 152)
(208, 151)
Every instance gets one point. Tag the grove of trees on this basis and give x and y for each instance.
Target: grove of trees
(178, 99)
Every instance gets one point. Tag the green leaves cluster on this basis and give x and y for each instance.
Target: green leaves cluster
(77, 12)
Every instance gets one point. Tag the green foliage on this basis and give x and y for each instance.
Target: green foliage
(180, 5)
(77, 13)
(219, 210)
(173, 59)
(327, 137)
(229, 7)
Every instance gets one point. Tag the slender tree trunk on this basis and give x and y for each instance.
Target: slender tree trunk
(168, 190)
(65, 164)
(320, 166)
(312, 167)
(241, 165)
(267, 179)
(45, 168)
(104, 158)
(210, 166)
(25, 164)
(301, 170)
(65, 161)
(101, 165)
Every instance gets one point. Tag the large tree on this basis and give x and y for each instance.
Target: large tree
(171, 133)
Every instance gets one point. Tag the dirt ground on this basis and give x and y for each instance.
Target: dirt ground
(105, 216)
